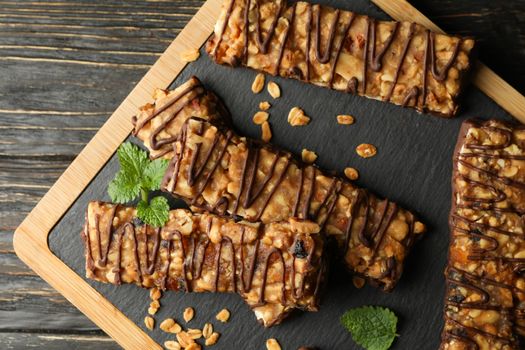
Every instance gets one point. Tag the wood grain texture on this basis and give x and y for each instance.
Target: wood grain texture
(66, 64)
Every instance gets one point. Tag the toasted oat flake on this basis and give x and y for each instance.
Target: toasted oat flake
(172, 345)
(193, 346)
(351, 173)
(274, 90)
(195, 333)
(149, 322)
(152, 310)
(260, 117)
(189, 55)
(258, 83)
(296, 117)
(266, 132)
(272, 344)
(170, 326)
(212, 339)
(188, 314)
(366, 150)
(155, 293)
(345, 119)
(264, 105)
(358, 282)
(223, 315)
(308, 156)
(207, 330)
(184, 339)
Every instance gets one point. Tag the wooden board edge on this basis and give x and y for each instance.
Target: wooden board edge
(484, 78)
(30, 238)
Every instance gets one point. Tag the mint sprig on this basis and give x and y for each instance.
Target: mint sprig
(372, 327)
(138, 175)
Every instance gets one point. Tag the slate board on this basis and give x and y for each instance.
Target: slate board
(413, 167)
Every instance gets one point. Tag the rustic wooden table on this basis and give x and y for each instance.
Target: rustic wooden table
(65, 65)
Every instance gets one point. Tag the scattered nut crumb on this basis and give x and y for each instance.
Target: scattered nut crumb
(351, 173)
(170, 326)
(207, 330)
(149, 322)
(308, 156)
(419, 227)
(258, 83)
(195, 333)
(358, 282)
(193, 346)
(172, 345)
(152, 310)
(345, 119)
(274, 90)
(266, 132)
(366, 150)
(188, 314)
(155, 293)
(184, 339)
(223, 315)
(264, 105)
(154, 304)
(260, 117)
(212, 339)
(190, 55)
(296, 117)
(272, 344)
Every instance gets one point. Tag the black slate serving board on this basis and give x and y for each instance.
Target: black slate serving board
(413, 167)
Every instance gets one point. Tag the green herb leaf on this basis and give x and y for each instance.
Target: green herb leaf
(374, 328)
(123, 188)
(133, 161)
(155, 213)
(154, 173)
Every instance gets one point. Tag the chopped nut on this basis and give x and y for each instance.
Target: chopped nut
(304, 226)
(155, 293)
(223, 315)
(190, 55)
(419, 227)
(184, 339)
(264, 105)
(358, 282)
(149, 322)
(272, 344)
(258, 83)
(274, 90)
(308, 156)
(345, 119)
(154, 304)
(366, 150)
(172, 345)
(193, 346)
(266, 132)
(260, 117)
(351, 173)
(195, 333)
(207, 330)
(152, 310)
(188, 314)
(212, 339)
(296, 117)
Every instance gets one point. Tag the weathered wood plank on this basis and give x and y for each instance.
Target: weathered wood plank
(56, 341)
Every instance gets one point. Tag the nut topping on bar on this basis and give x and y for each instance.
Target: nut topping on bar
(206, 253)
(398, 62)
(485, 302)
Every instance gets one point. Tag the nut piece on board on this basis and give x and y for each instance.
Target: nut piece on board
(223, 315)
(272, 344)
(345, 119)
(351, 173)
(366, 150)
(274, 90)
(188, 314)
(296, 117)
(258, 83)
(308, 156)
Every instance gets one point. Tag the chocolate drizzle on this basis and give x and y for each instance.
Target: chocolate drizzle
(372, 55)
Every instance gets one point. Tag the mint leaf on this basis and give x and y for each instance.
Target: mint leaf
(123, 188)
(372, 327)
(133, 161)
(154, 173)
(155, 213)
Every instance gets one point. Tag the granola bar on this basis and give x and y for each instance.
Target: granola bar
(398, 62)
(485, 283)
(215, 170)
(275, 268)
(158, 124)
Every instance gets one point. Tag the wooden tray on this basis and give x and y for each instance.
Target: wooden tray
(31, 237)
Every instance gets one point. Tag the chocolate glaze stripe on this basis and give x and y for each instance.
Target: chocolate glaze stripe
(194, 261)
(372, 57)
